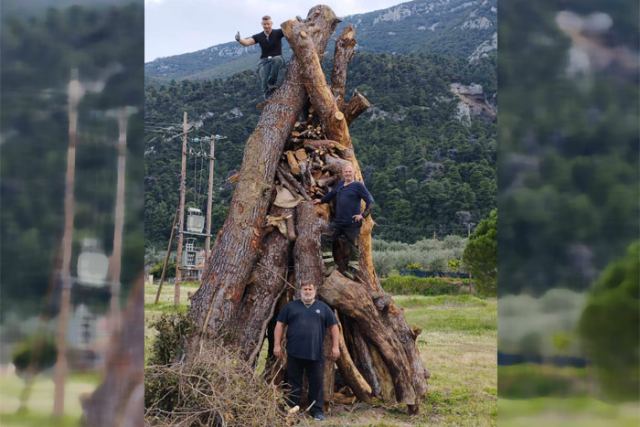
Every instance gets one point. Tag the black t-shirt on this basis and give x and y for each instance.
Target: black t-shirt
(272, 45)
(306, 328)
(348, 201)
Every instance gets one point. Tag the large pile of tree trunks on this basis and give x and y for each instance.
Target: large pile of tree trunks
(270, 242)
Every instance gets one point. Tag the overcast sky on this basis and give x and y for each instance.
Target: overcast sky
(179, 26)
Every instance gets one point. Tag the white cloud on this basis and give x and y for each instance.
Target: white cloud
(179, 26)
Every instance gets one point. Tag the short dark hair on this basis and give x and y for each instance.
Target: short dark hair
(266, 18)
(308, 284)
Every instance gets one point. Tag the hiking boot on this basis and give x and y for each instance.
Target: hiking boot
(328, 262)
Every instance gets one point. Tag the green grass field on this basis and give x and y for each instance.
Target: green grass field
(567, 412)
(458, 344)
(40, 404)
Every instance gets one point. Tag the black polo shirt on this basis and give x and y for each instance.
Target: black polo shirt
(348, 199)
(306, 328)
(272, 45)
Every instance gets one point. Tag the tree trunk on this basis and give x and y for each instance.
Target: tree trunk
(119, 400)
(345, 48)
(306, 252)
(215, 304)
(267, 284)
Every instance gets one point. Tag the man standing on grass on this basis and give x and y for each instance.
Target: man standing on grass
(271, 67)
(346, 221)
(307, 320)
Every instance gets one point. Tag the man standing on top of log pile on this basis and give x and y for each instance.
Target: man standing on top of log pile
(347, 220)
(306, 320)
(271, 67)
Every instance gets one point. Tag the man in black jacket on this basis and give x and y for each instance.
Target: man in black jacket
(271, 67)
(347, 220)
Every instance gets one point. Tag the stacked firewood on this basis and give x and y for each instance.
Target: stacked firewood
(311, 164)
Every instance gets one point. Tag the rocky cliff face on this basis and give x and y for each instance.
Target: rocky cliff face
(472, 102)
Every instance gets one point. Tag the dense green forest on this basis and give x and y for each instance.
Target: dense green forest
(428, 171)
(568, 152)
(104, 44)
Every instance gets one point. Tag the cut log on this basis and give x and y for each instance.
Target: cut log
(357, 105)
(328, 180)
(361, 354)
(350, 374)
(323, 144)
(335, 164)
(345, 48)
(294, 182)
(288, 184)
(214, 305)
(293, 163)
(394, 319)
(352, 299)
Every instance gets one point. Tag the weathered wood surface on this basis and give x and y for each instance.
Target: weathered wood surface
(345, 48)
(353, 299)
(215, 303)
(268, 282)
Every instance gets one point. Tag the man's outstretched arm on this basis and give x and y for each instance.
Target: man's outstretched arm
(245, 42)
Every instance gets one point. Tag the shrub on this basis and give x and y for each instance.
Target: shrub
(609, 326)
(481, 254)
(431, 254)
(156, 269)
(528, 380)
(34, 355)
(168, 346)
(411, 285)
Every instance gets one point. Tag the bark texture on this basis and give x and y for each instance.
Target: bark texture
(300, 144)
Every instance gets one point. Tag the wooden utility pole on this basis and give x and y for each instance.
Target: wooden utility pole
(183, 185)
(212, 157)
(74, 94)
(118, 228)
(166, 257)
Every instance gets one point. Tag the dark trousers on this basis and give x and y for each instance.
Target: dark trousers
(271, 72)
(296, 368)
(351, 234)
